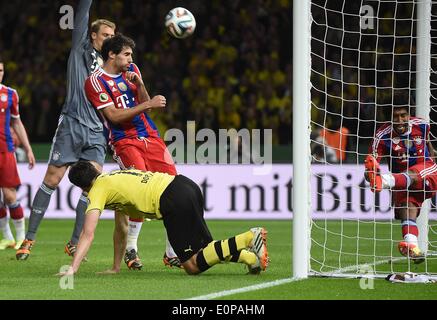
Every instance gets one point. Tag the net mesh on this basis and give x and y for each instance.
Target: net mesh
(363, 54)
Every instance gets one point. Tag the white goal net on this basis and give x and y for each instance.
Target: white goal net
(363, 54)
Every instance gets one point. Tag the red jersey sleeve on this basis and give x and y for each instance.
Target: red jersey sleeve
(15, 109)
(96, 93)
(377, 147)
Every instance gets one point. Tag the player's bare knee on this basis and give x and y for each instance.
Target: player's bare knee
(10, 195)
(54, 176)
(122, 229)
(401, 213)
(190, 266)
(415, 179)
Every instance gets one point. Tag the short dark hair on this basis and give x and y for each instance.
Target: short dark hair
(1, 59)
(116, 45)
(82, 174)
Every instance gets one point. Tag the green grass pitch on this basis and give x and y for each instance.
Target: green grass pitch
(35, 278)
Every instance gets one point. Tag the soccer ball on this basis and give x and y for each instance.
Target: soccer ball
(180, 23)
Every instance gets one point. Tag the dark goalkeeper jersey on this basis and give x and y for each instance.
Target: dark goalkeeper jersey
(83, 60)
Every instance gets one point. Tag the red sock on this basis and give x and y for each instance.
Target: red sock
(2, 212)
(136, 220)
(409, 227)
(16, 213)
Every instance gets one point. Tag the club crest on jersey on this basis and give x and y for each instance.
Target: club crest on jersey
(396, 140)
(103, 97)
(56, 156)
(122, 86)
(418, 140)
(4, 98)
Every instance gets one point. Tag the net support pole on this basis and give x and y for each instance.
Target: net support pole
(423, 93)
(301, 137)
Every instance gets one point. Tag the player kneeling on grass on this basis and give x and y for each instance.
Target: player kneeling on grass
(176, 200)
(405, 144)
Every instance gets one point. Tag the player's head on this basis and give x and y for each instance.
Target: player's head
(100, 31)
(82, 174)
(2, 69)
(118, 51)
(401, 111)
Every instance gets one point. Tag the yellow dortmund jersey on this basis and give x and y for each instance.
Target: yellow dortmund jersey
(132, 192)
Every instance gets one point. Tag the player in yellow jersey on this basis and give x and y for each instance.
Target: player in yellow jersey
(176, 200)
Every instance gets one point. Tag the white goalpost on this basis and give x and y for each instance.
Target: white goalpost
(423, 92)
(301, 144)
(349, 60)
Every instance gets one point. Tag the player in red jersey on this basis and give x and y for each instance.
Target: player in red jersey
(9, 178)
(136, 143)
(406, 147)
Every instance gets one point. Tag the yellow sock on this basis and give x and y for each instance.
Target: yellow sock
(243, 240)
(247, 257)
(210, 254)
(231, 249)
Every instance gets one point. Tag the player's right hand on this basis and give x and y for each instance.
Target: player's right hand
(157, 102)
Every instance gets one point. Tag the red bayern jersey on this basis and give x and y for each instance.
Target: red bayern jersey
(402, 151)
(103, 90)
(8, 108)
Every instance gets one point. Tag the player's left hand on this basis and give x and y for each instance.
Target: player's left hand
(134, 78)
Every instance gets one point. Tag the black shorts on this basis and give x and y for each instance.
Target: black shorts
(181, 206)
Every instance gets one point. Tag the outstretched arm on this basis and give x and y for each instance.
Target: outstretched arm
(85, 241)
(81, 19)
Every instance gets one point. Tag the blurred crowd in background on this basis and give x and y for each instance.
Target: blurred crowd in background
(234, 72)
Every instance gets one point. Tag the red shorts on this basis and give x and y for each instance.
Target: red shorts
(146, 154)
(9, 177)
(424, 189)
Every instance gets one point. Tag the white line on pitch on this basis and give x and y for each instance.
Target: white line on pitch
(376, 263)
(342, 272)
(244, 289)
